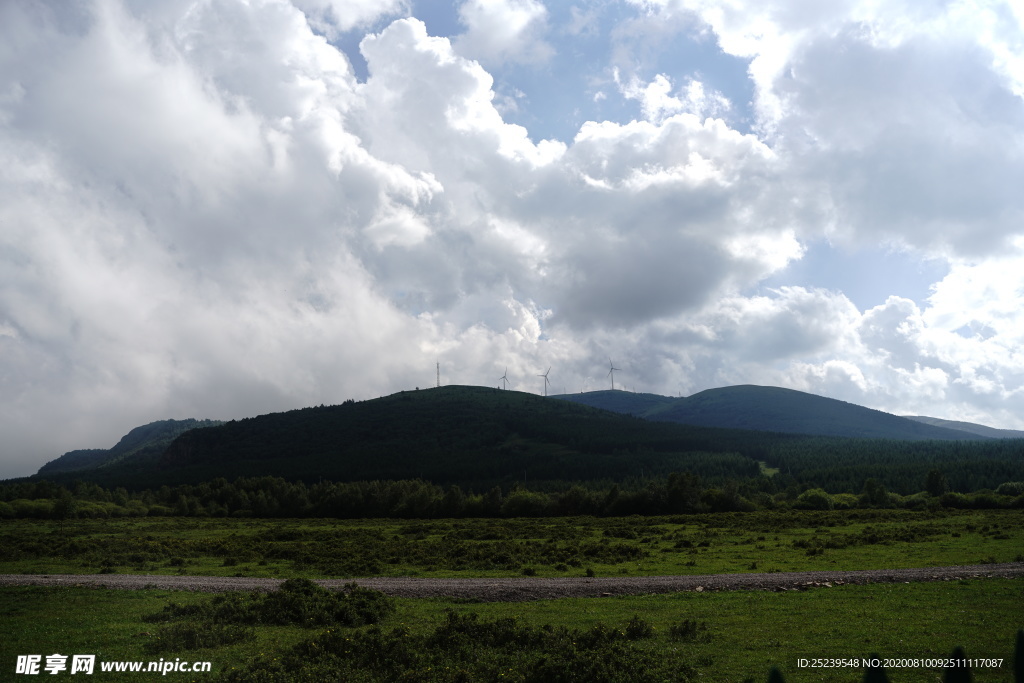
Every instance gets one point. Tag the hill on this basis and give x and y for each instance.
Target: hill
(142, 444)
(478, 438)
(971, 427)
(625, 402)
(472, 436)
(771, 409)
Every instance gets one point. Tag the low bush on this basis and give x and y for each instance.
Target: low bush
(466, 648)
(689, 631)
(298, 602)
(195, 636)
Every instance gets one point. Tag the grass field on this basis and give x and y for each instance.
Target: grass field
(731, 636)
(747, 632)
(693, 544)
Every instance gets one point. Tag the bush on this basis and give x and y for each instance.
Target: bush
(525, 504)
(191, 636)
(467, 648)
(845, 501)
(814, 499)
(954, 500)
(298, 602)
(638, 629)
(689, 631)
(1011, 488)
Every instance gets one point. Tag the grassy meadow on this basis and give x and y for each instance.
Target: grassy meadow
(644, 546)
(726, 636)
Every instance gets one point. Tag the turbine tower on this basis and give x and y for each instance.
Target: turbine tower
(611, 371)
(545, 376)
(504, 378)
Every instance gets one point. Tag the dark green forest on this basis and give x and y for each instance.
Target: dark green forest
(776, 409)
(679, 493)
(480, 438)
(473, 451)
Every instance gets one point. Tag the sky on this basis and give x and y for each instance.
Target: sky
(224, 208)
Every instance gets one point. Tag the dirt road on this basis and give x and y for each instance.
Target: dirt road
(521, 589)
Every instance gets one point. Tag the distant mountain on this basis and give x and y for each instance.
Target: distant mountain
(476, 437)
(772, 409)
(142, 444)
(980, 430)
(624, 402)
(480, 437)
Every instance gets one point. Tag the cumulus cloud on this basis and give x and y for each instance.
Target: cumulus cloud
(500, 31)
(203, 213)
(329, 17)
(656, 102)
(908, 117)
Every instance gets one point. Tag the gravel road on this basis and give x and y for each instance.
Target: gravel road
(521, 589)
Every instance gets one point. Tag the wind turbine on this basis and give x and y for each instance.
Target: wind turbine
(611, 371)
(504, 378)
(545, 376)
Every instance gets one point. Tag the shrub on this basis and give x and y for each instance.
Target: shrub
(814, 499)
(1011, 488)
(689, 631)
(298, 602)
(525, 504)
(193, 636)
(845, 501)
(638, 629)
(467, 648)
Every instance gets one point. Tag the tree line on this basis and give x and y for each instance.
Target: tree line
(678, 493)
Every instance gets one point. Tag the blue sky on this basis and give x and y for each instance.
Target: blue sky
(218, 209)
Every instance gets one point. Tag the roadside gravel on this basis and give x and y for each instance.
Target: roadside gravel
(522, 589)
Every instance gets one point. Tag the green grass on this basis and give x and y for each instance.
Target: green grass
(694, 544)
(749, 631)
(110, 625)
(754, 630)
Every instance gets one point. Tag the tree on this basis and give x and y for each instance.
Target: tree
(936, 483)
(64, 508)
(874, 493)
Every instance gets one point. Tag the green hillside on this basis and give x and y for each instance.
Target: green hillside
(772, 409)
(618, 401)
(141, 445)
(479, 438)
(971, 427)
(472, 436)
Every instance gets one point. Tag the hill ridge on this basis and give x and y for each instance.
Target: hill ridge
(777, 409)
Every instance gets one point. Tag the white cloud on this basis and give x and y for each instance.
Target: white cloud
(906, 116)
(204, 214)
(657, 103)
(499, 31)
(332, 16)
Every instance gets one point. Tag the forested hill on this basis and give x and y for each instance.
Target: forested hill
(980, 430)
(142, 444)
(478, 438)
(626, 402)
(771, 409)
(472, 436)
